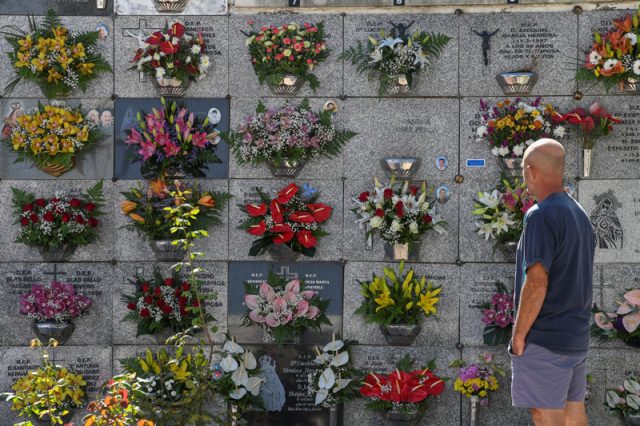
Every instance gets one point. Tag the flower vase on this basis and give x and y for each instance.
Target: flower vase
(474, 402)
(57, 254)
(171, 87)
(400, 334)
(517, 83)
(399, 84)
(61, 331)
(402, 168)
(172, 173)
(288, 85)
(282, 252)
(268, 337)
(55, 169)
(170, 6)
(334, 414)
(285, 168)
(511, 167)
(408, 251)
(233, 414)
(632, 419)
(629, 85)
(164, 251)
(508, 250)
(395, 418)
(586, 162)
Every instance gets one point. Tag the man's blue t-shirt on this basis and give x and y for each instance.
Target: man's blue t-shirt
(558, 234)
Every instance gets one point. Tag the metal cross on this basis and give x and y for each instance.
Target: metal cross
(287, 274)
(55, 272)
(486, 46)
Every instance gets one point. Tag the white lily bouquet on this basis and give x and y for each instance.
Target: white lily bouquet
(235, 378)
(335, 380)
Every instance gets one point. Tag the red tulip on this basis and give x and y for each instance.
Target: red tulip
(306, 238)
(285, 195)
(276, 212)
(363, 197)
(255, 210)
(388, 193)
(258, 229)
(155, 38)
(176, 30)
(302, 217)
(321, 212)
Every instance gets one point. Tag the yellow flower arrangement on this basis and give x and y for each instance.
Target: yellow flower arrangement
(477, 379)
(398, 298)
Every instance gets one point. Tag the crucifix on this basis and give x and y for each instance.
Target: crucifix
(55, 273)
(401, 28)
(141, 36)
(286, 273)
(486, 46)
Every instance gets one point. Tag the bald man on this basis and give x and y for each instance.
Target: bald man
(553, 292)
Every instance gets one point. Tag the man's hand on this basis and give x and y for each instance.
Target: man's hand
(517, 346)
(534, 291)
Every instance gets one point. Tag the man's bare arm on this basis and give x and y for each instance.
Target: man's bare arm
(531, 299)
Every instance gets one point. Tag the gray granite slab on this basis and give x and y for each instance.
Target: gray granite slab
(61, 7)
(442, 410)
(93, 363)
(601, 21)
(318, 168)
(194, 7)
(389, 4)
(134, 247)
(101, 87)
(470, 149)
(441, 80)
(423, 128)
(244, 82)
(477, 285)
(95, 163)
(614, 205)
(89, 279)
(328, 248)
(213, 278)
(129, 83)
(99, 250)
(552, 34)
(441, 332)
(436, 248)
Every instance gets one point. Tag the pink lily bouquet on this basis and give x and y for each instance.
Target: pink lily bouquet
(622, 324)
(284, 309)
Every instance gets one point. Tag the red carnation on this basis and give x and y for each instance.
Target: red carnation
(90, 207)
(258, 229)
(427, 219)
(145, 287)
(306, 238)
(148, 300)
(93, 222)
(79, 219)
(255, 210)
(276, 212)
(379, 213)
(363, 197)
(66, 217)
(24, 221)
(48, 217)
(27, 207)
(302, 217)
(34, 218)
(40, 202)
(131, 306)
(169, 282)
(321, 212)
(169, 48)
(166, 309)
(388, 193)
(399, 209)
(74, 202)
(285, 195)
(176, 30)
(144, 313)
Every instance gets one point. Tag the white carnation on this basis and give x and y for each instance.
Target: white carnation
(559, 131)
(503, 151)
(482, 131)
(495, 151)
(518, 150)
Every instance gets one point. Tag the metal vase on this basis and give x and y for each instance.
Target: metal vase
(334, 414)
(518, 83)
(170, 6)
(282, 252)
(233, 414)
(401, 419)
(409, 251)
(57, 254)
(285, 168)
(632, 419)
(474, 402)
(61, 331)
(400, 334)
(288, 85)
(56, 170)
(508, 250)
(630, 85)
(586, 162)
(166, 252)
(403, 168)
(511, 167)
(400, 85)
(171, 87)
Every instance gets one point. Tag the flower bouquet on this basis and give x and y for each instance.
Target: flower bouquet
(55, 58)
(284, 56)
(497, 315)
(173, 142)
(334, 381)
(169, 389)
(162, 303)
(594, 123)
(173, 59)
(509, 127)
(477, 380)
(51, 136)
(235, 379)
(613, 58)
(115, 405)
(403, 395)
(501, 215)
(287, 137)
(284, 309)
(58, 224)
(152, 216)
(401, 215)
(398, 302)
(52, 308)
(624, 401)
(48, 393)
(622, 324)
(288, 224)
(397, 59)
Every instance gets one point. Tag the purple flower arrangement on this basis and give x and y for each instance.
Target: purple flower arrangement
(57, 302)
(497, 315)
(477, 379)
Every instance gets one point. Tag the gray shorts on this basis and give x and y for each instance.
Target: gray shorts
(544, 379)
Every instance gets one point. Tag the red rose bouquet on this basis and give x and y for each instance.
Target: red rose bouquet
(293, 218)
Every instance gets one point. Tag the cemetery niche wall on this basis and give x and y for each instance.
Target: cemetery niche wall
(420, 125)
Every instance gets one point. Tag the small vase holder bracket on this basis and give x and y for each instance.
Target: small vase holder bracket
(101, 4)
(61, 331)
(57, 254)
(401, 168)
(401, 419)
(171, 87)
(587, 155)
(400, 85)
(508, 250)
(517, 83)
(511, 167)
(164, 251)
(56, 170)
(632, 419)
(282, 252)
(409, 252)
(288, 85)
(285, 168)
(400, 334)
(170, 6)
(630, 85)
(331, 106)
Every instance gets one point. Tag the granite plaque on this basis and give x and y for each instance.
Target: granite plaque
(194, 7)
(132, 31)
(323, 277)
(95, 162)
(126, 166)
(61, 7)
